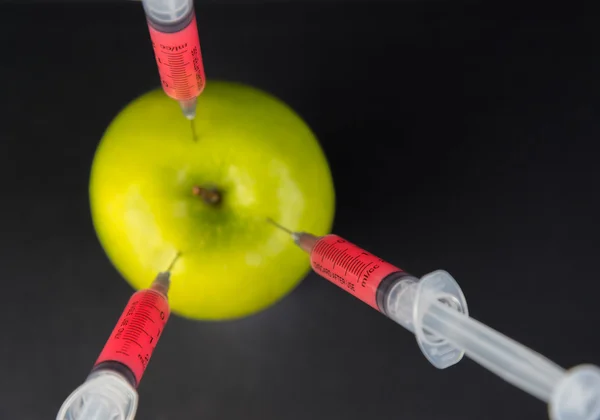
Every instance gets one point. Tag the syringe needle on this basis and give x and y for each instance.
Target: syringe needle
(194, 135)
(279, 226)
(170, 267)
(162, 282)
(304, 240)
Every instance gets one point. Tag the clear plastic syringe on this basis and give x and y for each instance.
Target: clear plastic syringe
(109, 392)
(174, 33)
(435, 310)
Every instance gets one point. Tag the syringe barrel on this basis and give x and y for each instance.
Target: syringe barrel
(353, 269)
(168, 14)
(136, 333)
(110, 389)
(176, 43)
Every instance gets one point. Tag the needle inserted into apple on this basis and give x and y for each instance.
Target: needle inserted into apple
(435, 310)
(194, 135)
(304, 240)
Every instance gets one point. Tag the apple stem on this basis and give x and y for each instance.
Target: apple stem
(209, 195)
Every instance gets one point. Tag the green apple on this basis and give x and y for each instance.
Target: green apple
(156, 191)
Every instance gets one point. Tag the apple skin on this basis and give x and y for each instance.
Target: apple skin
(257, 152)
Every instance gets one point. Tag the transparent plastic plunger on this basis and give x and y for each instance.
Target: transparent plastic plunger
(435, 310)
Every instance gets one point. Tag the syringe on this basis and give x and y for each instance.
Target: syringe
(174, 33)
(109, 392)
(435, 310)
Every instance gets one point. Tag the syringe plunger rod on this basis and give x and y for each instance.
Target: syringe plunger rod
(435, 310)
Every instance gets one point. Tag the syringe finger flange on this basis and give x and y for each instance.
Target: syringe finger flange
(436, 288)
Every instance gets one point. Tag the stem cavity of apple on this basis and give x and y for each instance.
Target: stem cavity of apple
(210, 196)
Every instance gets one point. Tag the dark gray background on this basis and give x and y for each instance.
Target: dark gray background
(460, 136)
(205, 2)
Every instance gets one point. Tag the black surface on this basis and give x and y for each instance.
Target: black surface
(460, 137)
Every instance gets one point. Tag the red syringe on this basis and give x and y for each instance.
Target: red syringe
(109, 391)
(435, 310)
(174, 33)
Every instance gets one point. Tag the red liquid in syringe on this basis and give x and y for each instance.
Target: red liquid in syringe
(136, 334)
(179, 59)
(350, 267)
